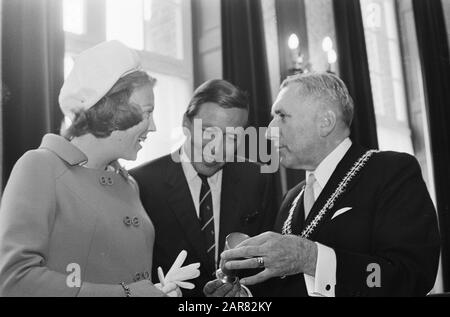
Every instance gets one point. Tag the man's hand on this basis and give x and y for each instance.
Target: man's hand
(217, 288)
(283, 255)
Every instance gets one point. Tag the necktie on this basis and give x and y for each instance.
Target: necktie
(309, 198)
(207, 219)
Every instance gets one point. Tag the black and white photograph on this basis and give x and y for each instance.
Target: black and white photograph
(225, 153)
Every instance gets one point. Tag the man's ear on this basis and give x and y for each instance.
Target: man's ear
(327, 123)
(187, 124)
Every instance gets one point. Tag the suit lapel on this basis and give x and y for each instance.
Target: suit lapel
(229, 204)
(285, 207)
(353, 154)
(298, 218)
(180, 201)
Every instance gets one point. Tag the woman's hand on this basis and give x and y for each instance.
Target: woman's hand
(145, 288)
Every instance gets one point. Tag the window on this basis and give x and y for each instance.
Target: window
(396, 79)
(386, 74)
(397, 87)
(74, 12)
(125, 22)
(161, 31)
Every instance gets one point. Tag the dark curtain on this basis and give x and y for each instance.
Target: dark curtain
(435, 60)
(291, 18)
(354, 69)
(33, 72)
(245, 61)
(244, 55)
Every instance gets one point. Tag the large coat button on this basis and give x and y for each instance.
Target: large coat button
(137, 277)
(127, 221)
(136, 222)
(103, 181)
(109, 181)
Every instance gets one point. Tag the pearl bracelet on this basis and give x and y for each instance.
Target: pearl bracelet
(126, 289)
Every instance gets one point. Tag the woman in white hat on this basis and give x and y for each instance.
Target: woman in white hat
(71, 222)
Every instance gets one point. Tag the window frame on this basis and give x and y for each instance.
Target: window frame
(95, 32)
(385, 118)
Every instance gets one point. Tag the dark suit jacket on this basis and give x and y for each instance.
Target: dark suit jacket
(247, 205)
(393, 223)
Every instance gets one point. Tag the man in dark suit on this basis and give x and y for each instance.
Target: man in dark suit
(362, 224)
(195, 197)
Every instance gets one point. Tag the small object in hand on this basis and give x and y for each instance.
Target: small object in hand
(231, 242)
(226, 279)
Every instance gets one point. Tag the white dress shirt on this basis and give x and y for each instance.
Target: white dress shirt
(195, 186)
(324, 282)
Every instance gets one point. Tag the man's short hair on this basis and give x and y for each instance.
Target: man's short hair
(114, 111)
(220, 92)
(327, 86)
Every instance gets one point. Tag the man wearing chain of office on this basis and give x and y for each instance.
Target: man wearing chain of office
(362, 224)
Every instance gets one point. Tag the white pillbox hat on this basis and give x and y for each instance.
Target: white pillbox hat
(94, 73)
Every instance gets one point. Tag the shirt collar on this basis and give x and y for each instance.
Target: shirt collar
(326, 168)
(64, 149)
(189, 170)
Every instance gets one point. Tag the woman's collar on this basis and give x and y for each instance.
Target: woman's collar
(64, 149)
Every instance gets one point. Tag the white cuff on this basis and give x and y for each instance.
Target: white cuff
(324, 282)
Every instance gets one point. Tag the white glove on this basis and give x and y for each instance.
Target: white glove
(170, 289)
(178, 275)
